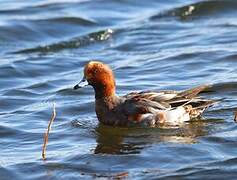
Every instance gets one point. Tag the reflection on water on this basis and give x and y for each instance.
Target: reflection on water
(113, 141)
(116, 140)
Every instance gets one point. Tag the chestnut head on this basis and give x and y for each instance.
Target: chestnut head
(100, 77)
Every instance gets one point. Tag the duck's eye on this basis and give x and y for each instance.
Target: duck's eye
(95, 72)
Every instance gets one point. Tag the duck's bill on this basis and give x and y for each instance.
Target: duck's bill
(81, 84)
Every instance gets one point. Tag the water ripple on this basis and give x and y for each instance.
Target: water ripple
(203, 9)
(73, 43)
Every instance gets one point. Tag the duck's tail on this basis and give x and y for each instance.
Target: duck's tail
(191, 93)
(193, 104)
(196, 109)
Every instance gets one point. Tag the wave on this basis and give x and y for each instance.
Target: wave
(72, 43)
(198, 10)
(70, 20)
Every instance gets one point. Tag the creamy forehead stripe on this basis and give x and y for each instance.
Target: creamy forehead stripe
(91, 64)
(94, 62)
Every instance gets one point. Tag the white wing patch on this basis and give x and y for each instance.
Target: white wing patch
(165, 97)
(161, 96)
(177, 115)
(172, 116)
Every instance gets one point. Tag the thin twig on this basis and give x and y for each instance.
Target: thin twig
(235, 116)
(46, 135)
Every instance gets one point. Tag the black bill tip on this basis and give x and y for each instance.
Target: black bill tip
(76, 87)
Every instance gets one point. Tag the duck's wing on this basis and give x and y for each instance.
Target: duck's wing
(186, 104)
(161, 97)
(190, 93)
(141, 110)
(169, 98)
(144, 111)
(190, 97)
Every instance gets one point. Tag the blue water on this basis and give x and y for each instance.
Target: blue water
(151, 45)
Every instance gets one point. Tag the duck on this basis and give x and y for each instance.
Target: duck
(145, 108)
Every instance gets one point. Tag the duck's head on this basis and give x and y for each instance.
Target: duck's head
(100, 77)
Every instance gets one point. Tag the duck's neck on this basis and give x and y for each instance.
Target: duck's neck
(104, 91)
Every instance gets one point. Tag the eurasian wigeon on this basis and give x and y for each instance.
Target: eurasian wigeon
(142, 108)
